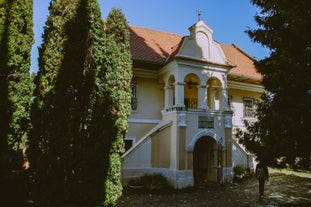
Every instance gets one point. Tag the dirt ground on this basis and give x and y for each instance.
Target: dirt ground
(281, 190)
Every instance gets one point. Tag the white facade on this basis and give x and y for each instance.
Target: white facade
(185, 113)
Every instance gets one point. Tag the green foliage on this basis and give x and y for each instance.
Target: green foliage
(16, 83)
(115, 87)
(155, 181)
(283, 129)
(16, 39)
(241, 173)
(2, 17)
(46, 151)
(82, 101)
(152, 182)
(117, 27)
(64, 153)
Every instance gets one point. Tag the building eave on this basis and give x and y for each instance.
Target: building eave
(151, 65)
(183, 57)
(244, 86)
(244, 78)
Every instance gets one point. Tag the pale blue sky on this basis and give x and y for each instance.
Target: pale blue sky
(228, 18)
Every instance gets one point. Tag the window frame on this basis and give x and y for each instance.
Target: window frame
(130, 138)
(230, 103)
(134, 96)
(248, 111)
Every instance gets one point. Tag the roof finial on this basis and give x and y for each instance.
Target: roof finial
(199, 11)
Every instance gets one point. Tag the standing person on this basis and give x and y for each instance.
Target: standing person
(262, 175)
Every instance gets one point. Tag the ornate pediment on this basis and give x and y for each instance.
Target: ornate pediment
(199, 45)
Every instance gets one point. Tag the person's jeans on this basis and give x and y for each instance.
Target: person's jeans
(261, 186)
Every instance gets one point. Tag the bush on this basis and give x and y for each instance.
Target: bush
(135, 182)
(155, 181)
(240, 173)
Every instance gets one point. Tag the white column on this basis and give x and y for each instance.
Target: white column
(202, 97)
(179, 94)
(224, 99)
(168, 102)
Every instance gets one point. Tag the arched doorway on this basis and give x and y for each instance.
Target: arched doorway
(205, 160)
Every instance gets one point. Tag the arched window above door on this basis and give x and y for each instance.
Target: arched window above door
(191, 90)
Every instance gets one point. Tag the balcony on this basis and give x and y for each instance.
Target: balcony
(191, 103)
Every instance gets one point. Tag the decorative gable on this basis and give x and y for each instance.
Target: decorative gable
(199, 45)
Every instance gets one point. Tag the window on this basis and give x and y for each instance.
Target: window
(134, 97)
(249, 109)
(129, 142)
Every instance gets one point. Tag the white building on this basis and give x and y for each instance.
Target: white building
(189, 93)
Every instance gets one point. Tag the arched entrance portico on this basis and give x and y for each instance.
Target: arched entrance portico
(205, 160)
(206, 148)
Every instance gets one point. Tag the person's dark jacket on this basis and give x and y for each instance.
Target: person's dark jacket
(261, 172)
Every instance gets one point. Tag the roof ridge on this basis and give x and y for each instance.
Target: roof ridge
(242, 51)
(157, 30)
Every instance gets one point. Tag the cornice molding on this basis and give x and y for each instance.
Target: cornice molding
(144, 73)
(246, 86)
(144, 121)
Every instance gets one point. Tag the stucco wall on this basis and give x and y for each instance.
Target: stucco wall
(237, 104)
(137, 159)
(239, 155)
(138, 130)
(161, 144)
(150, 99)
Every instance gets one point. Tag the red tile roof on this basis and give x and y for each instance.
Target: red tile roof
(152, 46)
(244, 63)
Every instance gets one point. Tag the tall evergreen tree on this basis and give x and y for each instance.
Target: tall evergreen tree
(2, 17)
(43, 152)
(117, 79)
(283, 130)
(71, 136)
(16, 36)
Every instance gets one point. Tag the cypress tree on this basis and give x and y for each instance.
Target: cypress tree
(51, 55)
(2, 17)
(86, 184)
(16, 36)
(82, 101)
(117, 79)
(68, 150)
(45, 144)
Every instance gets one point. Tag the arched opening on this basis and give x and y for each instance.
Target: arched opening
(191, 91)
(205, 161)
(214, 94)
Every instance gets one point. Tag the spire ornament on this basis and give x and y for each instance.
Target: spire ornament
(199, 11)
